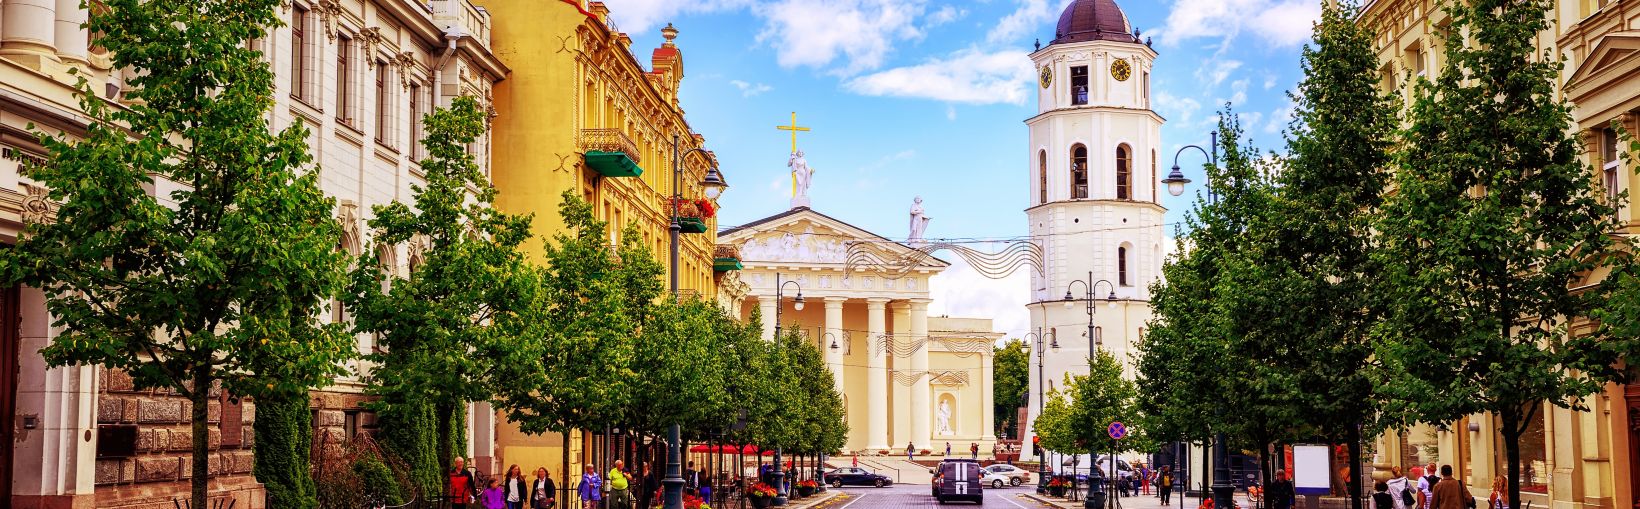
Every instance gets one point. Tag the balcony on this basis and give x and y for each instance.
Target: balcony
(726, 257)
(610, 152)
(692, 214)
(1079, 192)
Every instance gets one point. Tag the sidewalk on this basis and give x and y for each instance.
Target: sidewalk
(816, 501)
(1131, 502)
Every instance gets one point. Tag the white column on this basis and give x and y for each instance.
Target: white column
(766, 307)
(876, 375)
(54, 458)
(28, 27)
(920, 407)
(834, 327)
(72, 40)
(988, 424)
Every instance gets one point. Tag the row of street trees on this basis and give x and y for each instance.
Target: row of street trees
(1076, 417)
(1390, 270)
(194, 249)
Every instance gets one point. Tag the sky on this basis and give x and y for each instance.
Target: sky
(908, 98)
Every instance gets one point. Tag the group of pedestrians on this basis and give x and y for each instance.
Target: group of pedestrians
(512, 491)
(1423, 488)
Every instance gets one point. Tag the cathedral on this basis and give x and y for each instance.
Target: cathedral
(1093, 205)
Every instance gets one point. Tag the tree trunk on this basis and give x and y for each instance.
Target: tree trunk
(1512, 430)
(564, 479)
(200, 397)
(1354, 482)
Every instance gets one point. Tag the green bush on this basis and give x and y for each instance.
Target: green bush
(378, 482)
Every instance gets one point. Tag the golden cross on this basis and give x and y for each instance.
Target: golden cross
(794, 130)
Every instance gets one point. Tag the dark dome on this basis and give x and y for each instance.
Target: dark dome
(1093, 20)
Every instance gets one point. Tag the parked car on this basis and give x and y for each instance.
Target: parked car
(958, 479)
(856, 476)
(1007, 474)
(1076, 465)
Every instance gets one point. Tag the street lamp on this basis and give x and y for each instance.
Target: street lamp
(777, 475)
(1223, 491)
(1036, 339)
(1070, 299)
(714, 185)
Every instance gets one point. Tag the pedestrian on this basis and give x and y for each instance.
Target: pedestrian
(513, 486)
(1164, 483)
(591, 488)
(910, 451)
(543, 493)
(1499, 499)
(1280, 493)
(619, 481)
(492, 497)
(1381, 499)
(691, 477)
(1450, 493)
(1400, 489)
(706, 488)
(1426, 487)
(948, 448)
(461, 488)
(973, 450)
(649, 484)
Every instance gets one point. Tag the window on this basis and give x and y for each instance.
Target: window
(1153, 180)
(1079, 85)
(384, 107)
(344, 81)
(1124, 173)
(1609, 161)
(1534, 458)
(1042, 176)
(1079, 172)
(415, 121)
(1146, 89)
(1121, 266)
(298, 52)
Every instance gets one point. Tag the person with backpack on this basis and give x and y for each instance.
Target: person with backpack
(1426, 488)
(1400, 490)
(1164, 482)
(1381, 498)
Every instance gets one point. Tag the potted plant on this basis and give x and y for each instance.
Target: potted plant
(1056, 487)
(760, 494)
(806, 487)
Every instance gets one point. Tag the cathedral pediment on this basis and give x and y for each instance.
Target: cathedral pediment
(804, 236)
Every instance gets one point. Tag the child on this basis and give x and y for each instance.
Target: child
(1381, 498)
(491, 498)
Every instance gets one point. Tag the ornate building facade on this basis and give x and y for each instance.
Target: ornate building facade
(1569, 459)
(359, 73)
(1093, 191)
(582, 114)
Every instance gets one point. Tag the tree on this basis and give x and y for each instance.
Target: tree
(1493, 224)
(447, 329)
(1101, 397)
(1012, 380)
(217, 282)
(1301, 299)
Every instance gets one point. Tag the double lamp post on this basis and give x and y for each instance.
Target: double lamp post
(1096, 494)
(712, 185)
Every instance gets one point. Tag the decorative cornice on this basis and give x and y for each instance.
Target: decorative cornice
(37, 205)
(369, 38)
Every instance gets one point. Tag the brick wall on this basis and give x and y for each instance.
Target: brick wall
(161, 464)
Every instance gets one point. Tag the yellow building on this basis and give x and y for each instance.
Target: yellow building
(580, 113)
(1569, 459)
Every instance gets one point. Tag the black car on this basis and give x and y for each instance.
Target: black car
(856, 476)
(958, 480)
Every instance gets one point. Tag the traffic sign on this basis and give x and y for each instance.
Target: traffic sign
(1117, 430)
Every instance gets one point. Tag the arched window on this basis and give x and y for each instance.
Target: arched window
(1042, 176)
(1079, 172)
(1124, 173)
(1121, 266)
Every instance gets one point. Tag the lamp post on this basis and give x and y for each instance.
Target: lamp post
(777, 475)
(1223, 491)
(1096, 495)
(713, 185)
(1042, 400)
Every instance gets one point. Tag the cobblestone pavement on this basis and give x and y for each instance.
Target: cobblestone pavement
(903, 496)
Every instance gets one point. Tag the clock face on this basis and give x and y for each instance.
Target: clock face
(1045, 76)
(1121, 70)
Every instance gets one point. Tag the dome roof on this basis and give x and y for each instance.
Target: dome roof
(1093, 20)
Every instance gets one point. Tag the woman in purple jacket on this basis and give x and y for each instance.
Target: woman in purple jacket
(591, 489)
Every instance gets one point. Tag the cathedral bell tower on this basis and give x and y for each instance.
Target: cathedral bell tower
(1093, 204)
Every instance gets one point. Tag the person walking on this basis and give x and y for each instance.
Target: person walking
(973, 450)
(1280, 493)
(1401, 489)
(1450, 493)
(461, 487)
(491, 498)
(1164, 483)
(1426, 487)
(649, 484)
(591, 488)
(910, 451)
(543, 493)
(619, 481)
(1381, 499)
(513, 488)
(1499, 499)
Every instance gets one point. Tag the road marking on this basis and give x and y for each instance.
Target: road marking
(864, 495)
(1016, 504)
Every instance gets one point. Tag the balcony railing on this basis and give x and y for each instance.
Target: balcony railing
(611, 152)
(1080, 192)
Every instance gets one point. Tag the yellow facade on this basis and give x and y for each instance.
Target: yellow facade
(1569, 459)
(577, 87)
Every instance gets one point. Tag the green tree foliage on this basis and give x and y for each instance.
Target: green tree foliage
(1493, 222)
(217, 281)
(823, 428)
(1053, 426)
(684, 380)
(1300, 292)
(284, 434)
(1101, 397)
(1012, 365)
(447, 331)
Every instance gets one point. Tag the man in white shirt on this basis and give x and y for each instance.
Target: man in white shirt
(1426, 485)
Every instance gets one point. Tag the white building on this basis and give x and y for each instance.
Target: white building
(1093, 199)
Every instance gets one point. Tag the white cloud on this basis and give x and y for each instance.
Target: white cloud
(950, 112)
(945, 15)
(1180, 109)
(750, 89)
(963, 292)
(806, 33)
(1269, 81)
(1218, 72)
(1030, 16)
(636, 16)
(1281, 117)
(1238, 92)
(1283, 23)
(968, 76)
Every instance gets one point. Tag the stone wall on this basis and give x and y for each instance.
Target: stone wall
(161, 466)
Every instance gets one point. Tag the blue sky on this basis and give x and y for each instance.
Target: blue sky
(928, 98)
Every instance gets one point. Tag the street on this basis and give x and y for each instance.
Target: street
(901, 496)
